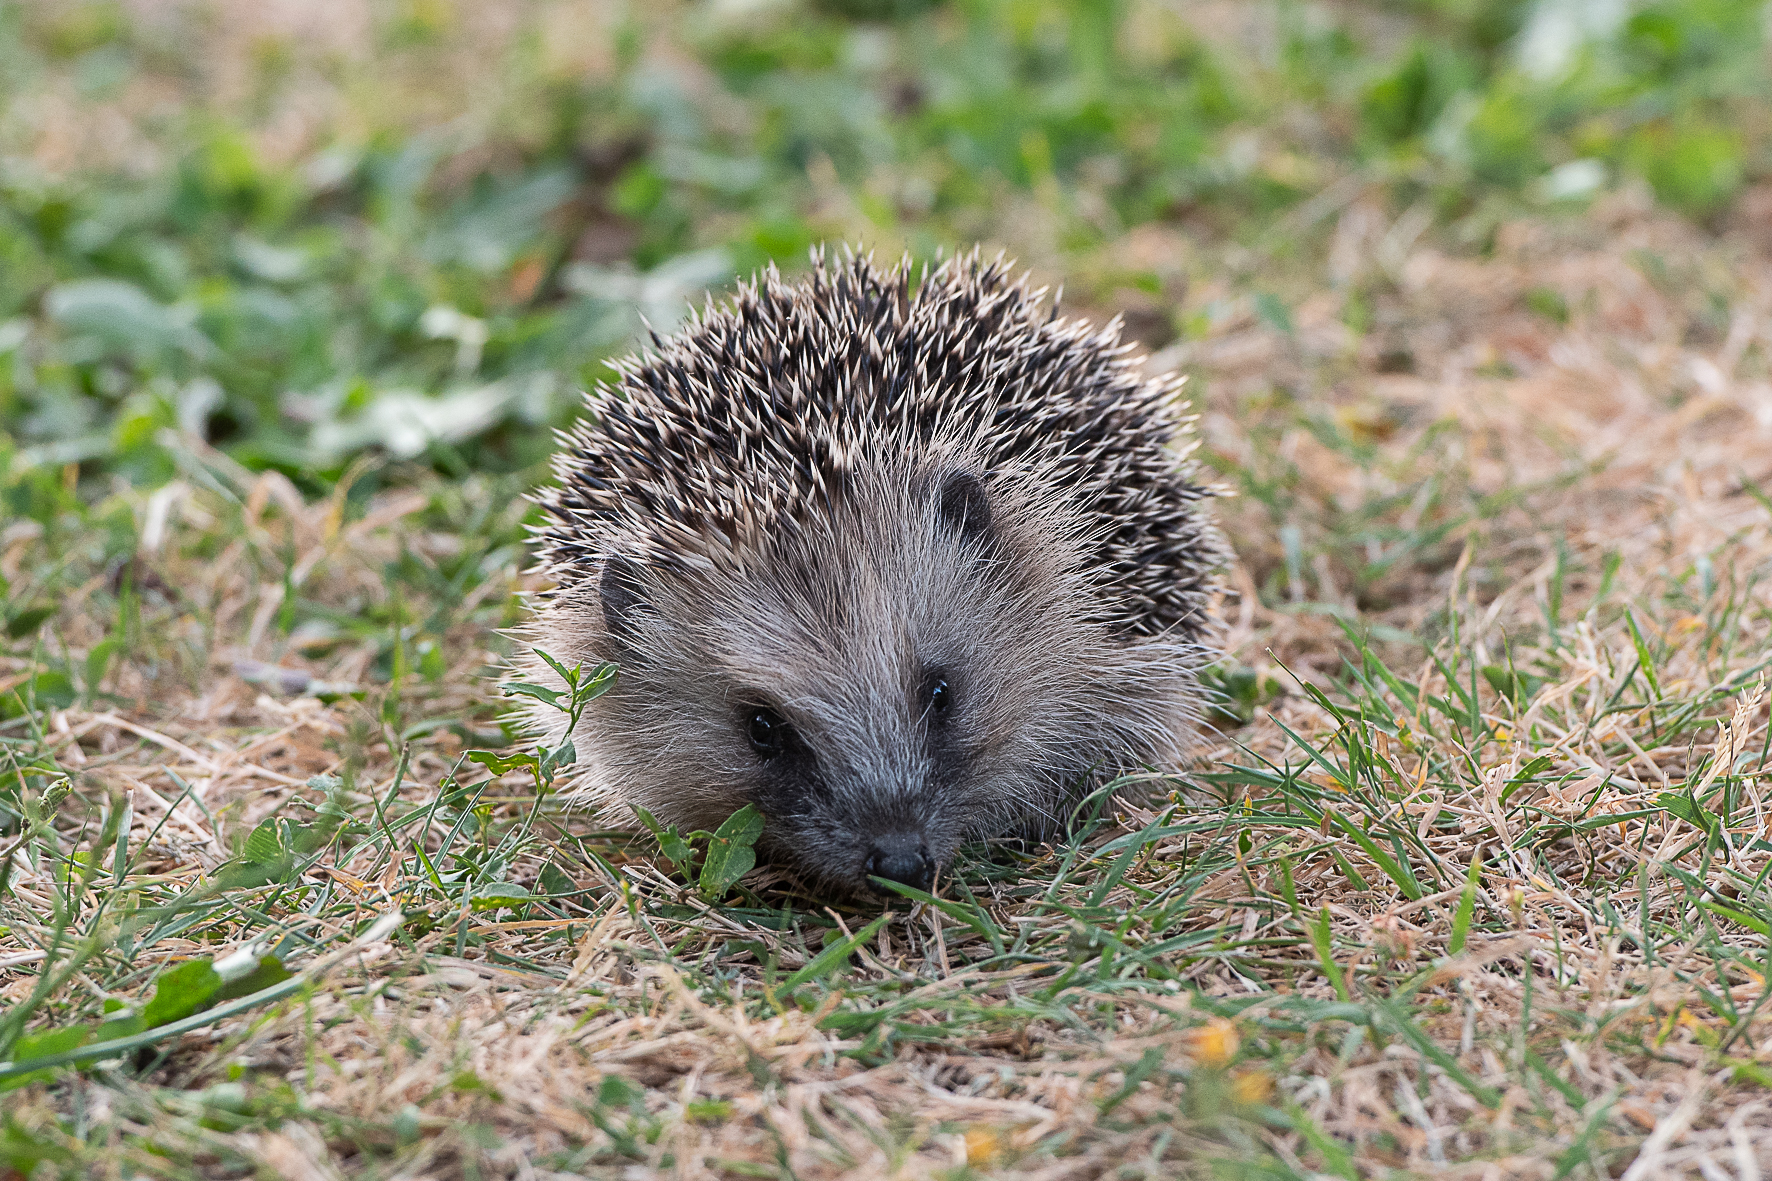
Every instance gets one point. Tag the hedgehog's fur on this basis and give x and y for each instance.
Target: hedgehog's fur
(817, 503)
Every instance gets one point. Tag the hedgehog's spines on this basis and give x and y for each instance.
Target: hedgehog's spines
(745, 420)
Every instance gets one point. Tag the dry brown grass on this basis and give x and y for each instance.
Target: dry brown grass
(1524, 443)
(1139, 1017)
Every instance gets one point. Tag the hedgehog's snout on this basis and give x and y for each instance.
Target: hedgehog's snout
(902, 858)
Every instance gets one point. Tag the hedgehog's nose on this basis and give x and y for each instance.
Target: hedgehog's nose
(902, 858)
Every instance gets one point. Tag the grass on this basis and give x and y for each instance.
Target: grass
(281, 233)
(1442, 912)
(1472, 876)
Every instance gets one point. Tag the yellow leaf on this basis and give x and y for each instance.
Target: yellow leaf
(982, 1145)
(1214, 1043)
(1251, 1086)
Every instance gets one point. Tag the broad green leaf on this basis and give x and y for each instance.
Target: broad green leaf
(554, 882)
(116, 1027)
(181, 991)
(270, 970)
(42, 1045)
(98, 660)
(496, 895)
(731, 852)
(28, 621)
(564, 755)
(498, 764)
(263, 845)
(125, 317)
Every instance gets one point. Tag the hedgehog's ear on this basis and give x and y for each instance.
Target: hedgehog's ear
(965, 507)
(623, 590)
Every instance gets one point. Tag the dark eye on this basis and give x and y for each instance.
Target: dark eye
(767, 732)
(941, 698)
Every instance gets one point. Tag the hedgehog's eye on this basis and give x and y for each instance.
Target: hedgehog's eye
(767, 732)
(940, 696)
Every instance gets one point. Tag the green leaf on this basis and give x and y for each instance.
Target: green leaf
(267, 857)
(1273, 313)
(498, 764)
(540, 693)
(117, 1027)
(564, 755)
(1353, 876)
(597, 682)
(569, 675)
(42, 1045)
(1467, 904)
(1748, 1071)
(1323, 943)
(1289, 890)
(675, 848)
(1535, 766)
(1593, 822)
(51, 689)
(1738, 916)
(124, 317)
(1335, 1157)
(270, 970)
(1692, 164)
(710, 1111)
(98, 660)
(181, 991)
(554, 881)
(1397, 872)
(263, 845)
(118, 1047)
(616, 1091)
(1683, 807)
(495, 895)
(249, 875)
(28, 621)
(78, 866)
(730, 851)
(1643, 660)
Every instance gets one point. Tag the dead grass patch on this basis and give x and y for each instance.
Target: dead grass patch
(1483, 893)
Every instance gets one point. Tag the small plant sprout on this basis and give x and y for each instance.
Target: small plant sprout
(581, 688)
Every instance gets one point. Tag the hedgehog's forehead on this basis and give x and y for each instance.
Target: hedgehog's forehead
(868, 579)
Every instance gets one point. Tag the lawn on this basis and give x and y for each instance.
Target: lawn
(1469, 877)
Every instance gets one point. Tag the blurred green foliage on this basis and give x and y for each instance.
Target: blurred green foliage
(440, 294)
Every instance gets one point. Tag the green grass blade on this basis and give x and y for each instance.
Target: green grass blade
(1467, 906)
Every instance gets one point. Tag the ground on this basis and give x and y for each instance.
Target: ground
(1467, 879)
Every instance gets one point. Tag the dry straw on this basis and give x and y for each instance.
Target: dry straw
(1481, 893)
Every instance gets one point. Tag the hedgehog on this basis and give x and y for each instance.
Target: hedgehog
(902, 558)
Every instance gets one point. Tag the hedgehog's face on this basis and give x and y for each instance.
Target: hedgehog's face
(917, 669)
